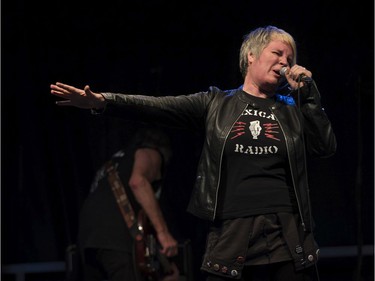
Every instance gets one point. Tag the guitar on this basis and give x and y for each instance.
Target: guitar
(152, 264)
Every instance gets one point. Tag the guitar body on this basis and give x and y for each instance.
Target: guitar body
(150, 262)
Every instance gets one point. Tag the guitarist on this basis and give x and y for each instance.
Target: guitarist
(106, 241)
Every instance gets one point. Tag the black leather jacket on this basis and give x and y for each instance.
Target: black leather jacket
(304, 125)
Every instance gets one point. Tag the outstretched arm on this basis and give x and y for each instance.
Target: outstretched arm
(77, 97)
(147, 168)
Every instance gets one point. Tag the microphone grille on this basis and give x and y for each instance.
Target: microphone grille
(283, 71)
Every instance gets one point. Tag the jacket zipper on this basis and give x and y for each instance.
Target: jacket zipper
(291, 170)
(221, 160)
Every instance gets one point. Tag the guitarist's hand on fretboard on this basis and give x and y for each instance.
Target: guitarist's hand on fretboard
(152, 260)
(168, 243)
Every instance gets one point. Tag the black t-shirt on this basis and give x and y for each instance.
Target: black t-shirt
(255, 175)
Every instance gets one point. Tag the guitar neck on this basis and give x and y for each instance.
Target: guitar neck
(149, 259)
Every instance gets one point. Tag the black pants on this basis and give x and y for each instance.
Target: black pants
(281, 271)
(102, 264)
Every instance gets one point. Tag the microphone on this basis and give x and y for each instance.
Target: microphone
(304, 78)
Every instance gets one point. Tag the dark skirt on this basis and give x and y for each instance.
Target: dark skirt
(257, 240)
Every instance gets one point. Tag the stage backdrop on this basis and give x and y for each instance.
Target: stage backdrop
(50, 154)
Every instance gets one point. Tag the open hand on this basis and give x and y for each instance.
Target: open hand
(77, 97)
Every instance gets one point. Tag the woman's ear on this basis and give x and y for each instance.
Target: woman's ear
(250, 57)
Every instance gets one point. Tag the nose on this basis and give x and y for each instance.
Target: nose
(284, 61)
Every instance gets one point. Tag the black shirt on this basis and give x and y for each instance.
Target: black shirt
(255, 172)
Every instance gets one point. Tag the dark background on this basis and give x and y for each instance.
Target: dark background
(49, 154)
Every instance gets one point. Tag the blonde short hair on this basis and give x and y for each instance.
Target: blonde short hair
(258, 39)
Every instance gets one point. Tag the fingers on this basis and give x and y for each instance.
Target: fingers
(88, 91)
(170, 251)
(57, 92)
(297, 70)
(60, 89)
(65, 91)
(64, 103)
(296, 76)
(168, 243)
(67, 87)
(81, 98)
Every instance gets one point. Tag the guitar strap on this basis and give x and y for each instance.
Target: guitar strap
(122, 199)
